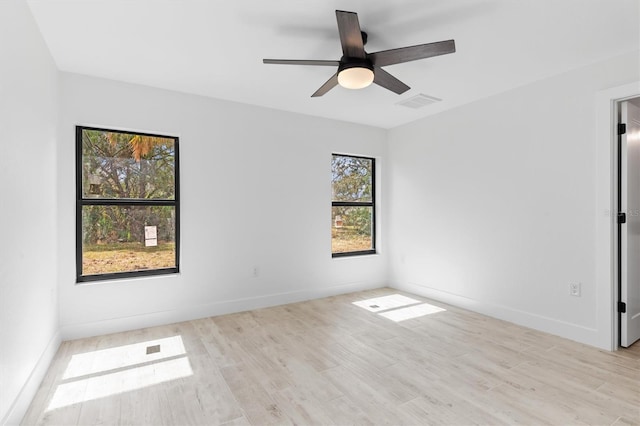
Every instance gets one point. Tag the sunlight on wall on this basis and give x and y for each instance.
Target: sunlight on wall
(397, 307)
(113, 371)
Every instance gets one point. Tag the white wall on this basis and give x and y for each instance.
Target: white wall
(255, 191)
(494, 203)
(28, 120)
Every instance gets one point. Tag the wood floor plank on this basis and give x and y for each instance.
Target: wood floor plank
(207, 392)
(367, 397)
(343, 411)
(331, 361)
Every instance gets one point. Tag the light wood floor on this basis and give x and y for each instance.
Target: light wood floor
(329, 361)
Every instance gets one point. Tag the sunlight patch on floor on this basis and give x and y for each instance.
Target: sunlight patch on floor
(417, 311)
(105, 385)
(122, 356)
(397, 307)
(383, 303)
(107, 372)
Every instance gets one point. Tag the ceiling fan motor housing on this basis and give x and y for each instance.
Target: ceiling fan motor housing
(346, 63)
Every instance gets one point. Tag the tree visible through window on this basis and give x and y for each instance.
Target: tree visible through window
(352, 205)
(127, 213)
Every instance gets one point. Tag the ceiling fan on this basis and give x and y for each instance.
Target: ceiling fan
(357, 69)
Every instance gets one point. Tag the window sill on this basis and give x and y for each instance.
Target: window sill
(119, 276)
(353, 254)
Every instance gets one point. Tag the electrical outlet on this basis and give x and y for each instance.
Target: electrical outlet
(574, 289)
(256, 271)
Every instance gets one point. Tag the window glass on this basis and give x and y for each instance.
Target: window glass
(352, 205)
(124, 165)
(128, 211)
(127, 238)
(352, 178)
(352, 229)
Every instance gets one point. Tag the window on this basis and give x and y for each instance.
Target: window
(353, 205)
(127, 204)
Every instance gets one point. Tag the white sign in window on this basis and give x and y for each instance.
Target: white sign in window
(150, 236)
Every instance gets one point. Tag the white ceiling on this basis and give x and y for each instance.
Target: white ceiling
(215, 48)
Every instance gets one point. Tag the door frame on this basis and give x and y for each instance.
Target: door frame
(606, 208)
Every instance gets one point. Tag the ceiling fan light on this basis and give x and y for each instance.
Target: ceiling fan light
(355, 77)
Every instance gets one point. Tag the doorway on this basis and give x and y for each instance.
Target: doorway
(605, 335)
(627, 218)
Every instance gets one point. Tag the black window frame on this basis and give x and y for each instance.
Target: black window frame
(81, 201)
(371, 204)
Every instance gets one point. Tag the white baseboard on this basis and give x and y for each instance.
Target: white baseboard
(20, 405)
(116, 325)
(564, 329)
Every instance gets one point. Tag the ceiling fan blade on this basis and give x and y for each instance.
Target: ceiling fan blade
(350, 35)
(412, 53)
(301, 62)
(330, 84)
(386, 80)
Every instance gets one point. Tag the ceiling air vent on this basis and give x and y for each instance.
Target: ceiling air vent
(419, 101)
